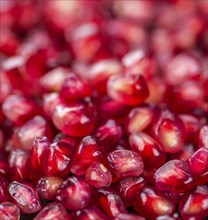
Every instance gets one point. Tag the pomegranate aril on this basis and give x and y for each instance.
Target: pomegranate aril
(89, 150)
(174, 176)
(18, 109)
(24, 136)
(98, 175)
(9, 211)
(150, 151)
(47, 187)
(109, 201)
(25, 196)
(4, 165)
(35, 159)
(124, 216)
(139, 119)
(53, 80)
(53, 211)
(203, 137)
(4, 195)
(76, 119)
(17, 163)
(57, 159)
(125, 163)
(198, 164)
(168, 130)
(152, 203)
(128, 188)
(194, 204)
(128, 89)
(74, 88)
(100, 71)
(74, 193)
(109, 134)
(90, 213)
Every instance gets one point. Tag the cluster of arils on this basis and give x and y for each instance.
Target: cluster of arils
(104, 110)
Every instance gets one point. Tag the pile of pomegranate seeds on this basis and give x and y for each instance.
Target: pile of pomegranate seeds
(103, 110)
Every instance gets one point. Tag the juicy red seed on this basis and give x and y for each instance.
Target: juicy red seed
(194, 204)
(90, 213)
(53, 211)
(128, 189)
(57, 159)
(129, 89)
(148, 149)
(168, 130)
(98, 175)
(125, 163)
(139, 118)
(109, 201)
(25, 196)
(89, 150)
(4, 196)
(198, 164)
(10, 211)
(74, 193)
(100, 71)
(18, 109)
(74, 88)
(109, 134)
(174, 176)
(152, 203)
(25, 135)
(4, 166)
(48, 186)
(75, 119)
(203, 137)
(53, 80)
(17, 163)
(124, 216)
(35, 159)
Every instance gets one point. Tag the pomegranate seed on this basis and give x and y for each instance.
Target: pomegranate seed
(18, 109)
(6, 88)
(4, 166)
(57, 159)
(50, 101)
(152, 203)
(74, 193)
(137, 62)
(75, 119)
(4, 196)
(17, 163)
(181, 68)
(53, 80)
(98, 175)
(48, 186)
(125, 163)
(168, 130)
(10, 211)
(198, 164)
(139, 119)
(90, 213)
(203, 137)
(148, 149)
(100, 71)
(129, 89)
(54, 211)
(35, 159)
(124, 216)
(128, 188)
(26, 134)
(89, 150)
(109, 134)
(25, 196)
(74, 88)
(194, 204)
(110, 202)
(174, 176)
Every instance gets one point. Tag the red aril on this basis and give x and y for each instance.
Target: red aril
(10, 211)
